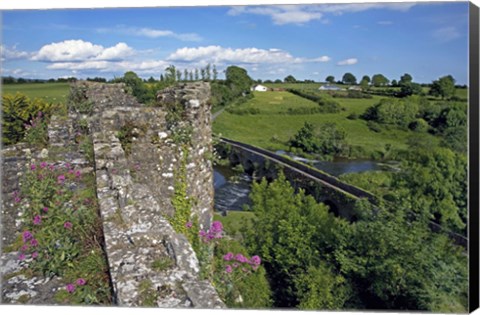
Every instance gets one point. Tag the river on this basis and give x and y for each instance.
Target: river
(231, 192)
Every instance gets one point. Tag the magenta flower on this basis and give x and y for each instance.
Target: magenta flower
(228, 256)
(24, 248)
(78, 174)
(241, 258)
(21, 256)
(33, 167)
(51, 167)
(60, 179)
(202, 233)
(216, 227)
(235, 265)
(71, 171)
(43, 164)
(27, 236)
(70, 288)
(188, 225)
(34, 255)
(67, 165)
(45, 209)
(17, 199)
(81, 281)
(37, 220)
(228, 269)
(255, 260)
(68, 225)
(34, 242)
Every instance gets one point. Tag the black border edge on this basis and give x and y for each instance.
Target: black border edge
(473, 227)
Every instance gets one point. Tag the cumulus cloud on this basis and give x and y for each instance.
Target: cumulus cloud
(12, 53)
(79, 50)
(347, 62)
(301, 14)
(218, 54)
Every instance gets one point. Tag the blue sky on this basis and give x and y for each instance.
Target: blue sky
(427, 40)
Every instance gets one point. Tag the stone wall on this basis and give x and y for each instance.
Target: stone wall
(136, 164)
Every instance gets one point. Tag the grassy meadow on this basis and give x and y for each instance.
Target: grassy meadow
(50, 92)
(272, 127)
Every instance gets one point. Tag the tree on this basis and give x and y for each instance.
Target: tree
(326, 139)
(190, 75)
(330, 79)
(207, 72)
(349, 78)
(366, 78)
(137, 86)
(394, 83)
(379, 80)
(185, 75)
(289, 79)
(293, 240)
(170, 73)
(444, 87)
(238, 80)
(202, 73)
(151, 80)
(215, 73)
(179, 75)
(405, 79)
(196, 75)
(410, 88)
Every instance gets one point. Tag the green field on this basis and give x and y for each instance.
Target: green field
(50, 92)
(271, 129)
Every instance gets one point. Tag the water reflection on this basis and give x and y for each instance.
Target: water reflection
(231, 192)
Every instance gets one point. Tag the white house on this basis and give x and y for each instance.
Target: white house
(329, 88)
(259, 88)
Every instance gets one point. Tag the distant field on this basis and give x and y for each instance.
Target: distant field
(50, 92)
(271, 130)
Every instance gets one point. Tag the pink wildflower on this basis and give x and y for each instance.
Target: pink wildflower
(78, 174)
(188, 225)
(43, 164)
(17, 199)
(228, 256)
(27, 236)
(70, 288)
(33, 167)
(68, 225)
(235, 265)
(37, 220)
(34, 242)
(60, 179)
(241, 258)
(81, 281)
(24, 248)
(34, 255)
(228, 269)
(255, 260)
(45, 209)
(21, 256)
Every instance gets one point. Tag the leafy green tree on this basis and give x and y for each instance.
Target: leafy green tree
(349, 78)
(179, 75)
(294, 235)
(305, 138)
(208, 72)
(170, 73)
(366, 78)
(327, 139)
(185, 75)
(394, 83)
(290, 79)
(238, 80)
(405, 79)
(410, 88)
(444, 87)
(400, 112)
(379, 80)
(330, 79)
(137, 86)
(196, 75)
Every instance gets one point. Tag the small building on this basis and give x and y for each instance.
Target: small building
(329, 88)
(259, 88)
(354, 88)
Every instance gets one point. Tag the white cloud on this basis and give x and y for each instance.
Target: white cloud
(12, 53)
(347, 62)
(142, 67)
(301, 14)
(79, 50)
(151, 33)
(218, 55)
(446, 34)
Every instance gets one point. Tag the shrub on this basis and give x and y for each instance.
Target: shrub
(352, 116)
(373, 126)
